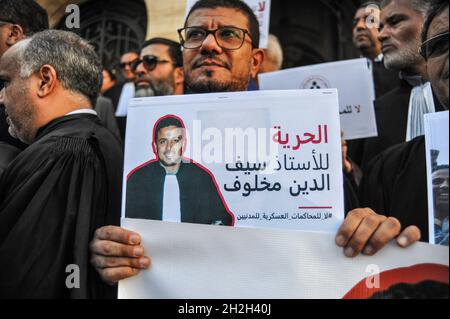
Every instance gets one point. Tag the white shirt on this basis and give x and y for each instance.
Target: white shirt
(171, 199)
(83, 111)
(128, 91)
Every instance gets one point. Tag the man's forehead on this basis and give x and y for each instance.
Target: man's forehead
(397, 7)
(367, 11)
(171, 130)
(218, 16)
(128, 57)
(158, 50)
(441, 173)
(8, 58)
(439, 24)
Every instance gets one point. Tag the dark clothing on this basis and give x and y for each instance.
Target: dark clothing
(200, 201)
(7, 154)
(391, 112)
(4, 135)
(105, 111)
(114, 94)
(53, 196)
(385, 80)
(395, 184)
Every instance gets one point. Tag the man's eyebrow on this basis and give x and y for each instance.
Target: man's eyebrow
(396, 16)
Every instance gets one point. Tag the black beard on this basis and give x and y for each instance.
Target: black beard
(212, 86)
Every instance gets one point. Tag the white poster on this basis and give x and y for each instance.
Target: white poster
(261, 8)
(192, 261)
(436, 140)
(352, 78)
(249, 159)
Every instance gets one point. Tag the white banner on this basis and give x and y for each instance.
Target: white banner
(352, 78)
(192, 261)
(436, 140)
(261, 8)
(250, 159)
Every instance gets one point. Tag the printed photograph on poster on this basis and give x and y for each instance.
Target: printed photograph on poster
(436, 140)
(248, 159)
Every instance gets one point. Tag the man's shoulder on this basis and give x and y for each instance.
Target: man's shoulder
(144, 170)
(191, 167)
(397, 157)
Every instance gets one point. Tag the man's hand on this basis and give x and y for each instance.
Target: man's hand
(365, 231)
(116, 253)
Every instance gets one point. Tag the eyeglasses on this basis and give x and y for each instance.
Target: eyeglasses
(123, 65)
(150, 62)
(2, 84)
(434, 47)
(229, 38)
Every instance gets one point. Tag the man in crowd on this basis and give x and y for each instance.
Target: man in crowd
(396, 180)
(18, 19)
(66, 183)
(125, 87)
(211, 64)
(365, 39)
(399, 113)
(158, 72)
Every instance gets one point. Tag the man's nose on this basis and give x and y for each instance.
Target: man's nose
(210, 44)
(361, 25)
(384, 34)
(140, 69)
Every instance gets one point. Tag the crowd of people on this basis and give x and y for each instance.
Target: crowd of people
(63, 123)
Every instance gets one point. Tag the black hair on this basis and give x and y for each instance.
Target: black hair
(111, 72)
(26, 13)
(166, 122)
(174, 49)
(231, 4)
(437, 6)
(423, 290)
(439, 167)
(368, 3)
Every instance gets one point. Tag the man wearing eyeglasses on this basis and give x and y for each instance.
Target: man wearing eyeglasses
(397, 178)
(400, 112)
(159, 70)
(220, 41)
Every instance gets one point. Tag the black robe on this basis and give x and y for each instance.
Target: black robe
(7, 154)
(53, 196)
(200, 201)
(391, 111)
(385, 80)
(395, 184)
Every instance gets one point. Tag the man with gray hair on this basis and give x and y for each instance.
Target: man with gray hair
(67, 182)
(18, 19)
(400, 112)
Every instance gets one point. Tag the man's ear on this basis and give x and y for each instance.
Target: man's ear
(15, 34)
(257, 61)
(47, 80)
(178, 75)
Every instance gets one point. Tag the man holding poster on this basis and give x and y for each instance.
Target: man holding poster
(213, 65)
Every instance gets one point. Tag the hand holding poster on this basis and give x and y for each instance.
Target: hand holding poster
(251, 159)
(436, 140)
(192, 261)
(354, 82)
